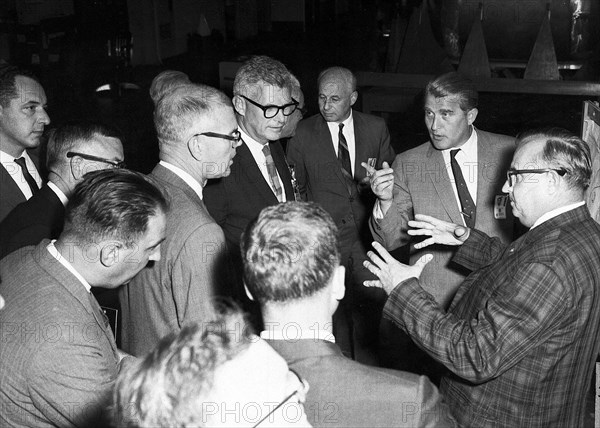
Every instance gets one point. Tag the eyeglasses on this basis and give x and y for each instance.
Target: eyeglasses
(514, 172)
(271, 111)
(115, 164)
(301, 392)
(235, 137)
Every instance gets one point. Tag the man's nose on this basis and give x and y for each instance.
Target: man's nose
(44, 118)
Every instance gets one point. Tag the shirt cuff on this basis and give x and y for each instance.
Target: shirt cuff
(377, 213)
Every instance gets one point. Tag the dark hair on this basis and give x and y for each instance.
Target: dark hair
(565, 150)
(454, 84)
(71, 135)
(8, 87)
(289, 252)
(112, 204)
(167, 387)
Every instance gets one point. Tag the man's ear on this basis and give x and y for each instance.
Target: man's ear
(239, 105)
(353, 97)
(195, 148)
(77, 167)
(248, 293)
(109, 254)
(338, 286)
(472, 115)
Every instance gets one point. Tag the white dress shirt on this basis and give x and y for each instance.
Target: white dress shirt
(16, 173)
(558, 211)
(467, 160)
(334, 130)
(259, 157)
(189, 180)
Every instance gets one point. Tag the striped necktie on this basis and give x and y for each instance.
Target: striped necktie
(343, 153)
(272, 171)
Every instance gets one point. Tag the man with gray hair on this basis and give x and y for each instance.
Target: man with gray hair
(73, 150)
(166, 81)
(260, 175)
(198, 136)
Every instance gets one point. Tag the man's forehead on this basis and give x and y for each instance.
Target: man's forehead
(334, 86)
(29, 90)
(266, 93)
(528, 152)
(451, 102)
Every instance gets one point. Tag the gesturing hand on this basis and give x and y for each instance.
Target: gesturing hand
(441, 232)
(382, 181)
(389, 270)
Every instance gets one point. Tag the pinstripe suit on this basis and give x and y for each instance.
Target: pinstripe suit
(58, 360)
(521, 335)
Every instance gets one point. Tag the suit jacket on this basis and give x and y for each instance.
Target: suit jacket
(521, 335)
(235, 200)
(179, 288)
(10, 194)
(344, 393)
(28, 223)
(58, 358)
(320, 177)
(422, 186)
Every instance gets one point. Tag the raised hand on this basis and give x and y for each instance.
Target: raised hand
(440, 232)
(382, 181)
(389, 270)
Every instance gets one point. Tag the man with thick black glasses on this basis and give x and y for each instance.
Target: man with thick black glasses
(198, 136)
(73, 150)
(260, 175)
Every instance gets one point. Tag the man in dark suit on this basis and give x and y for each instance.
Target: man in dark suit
(259, 175)
(292, 268)
(521, 335)
(198, 137)
(22, 121)
(327, 152)
(58, 359)
(74, 149)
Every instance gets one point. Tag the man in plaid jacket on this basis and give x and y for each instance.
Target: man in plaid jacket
(521, 335)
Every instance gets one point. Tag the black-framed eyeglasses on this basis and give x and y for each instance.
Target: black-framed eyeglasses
(114, 164)
(271, 110)
(301, 392)
(235, 135)
(514, 172)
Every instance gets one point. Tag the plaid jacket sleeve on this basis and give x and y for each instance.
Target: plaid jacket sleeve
(504, 311)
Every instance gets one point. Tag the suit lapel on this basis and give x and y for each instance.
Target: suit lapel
(168, 176)
(442, 184)
(249, 171)
(362, 146)
(324, 136)
(283, 169)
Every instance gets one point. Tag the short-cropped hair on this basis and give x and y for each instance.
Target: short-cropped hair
(166, 81)
(289, 252)
(8, 86)
(563, 150)
(178, 110)
(340, 73)
(112, 204)
(454, 84)
(70, 136)
(167, 388)
(260, 69)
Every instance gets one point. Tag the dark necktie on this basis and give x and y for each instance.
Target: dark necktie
(343, 153)
(467, 204)
(272, 171)
(30, 180)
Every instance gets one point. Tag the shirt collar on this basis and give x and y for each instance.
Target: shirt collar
(63, 261)
(189, 180)
(556, 212)
(6, 158)
(335, 126)
(251, 142)
(469, 148)
(294, 333)
(63, 198)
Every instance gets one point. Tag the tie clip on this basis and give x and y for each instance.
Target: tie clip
(465, 214)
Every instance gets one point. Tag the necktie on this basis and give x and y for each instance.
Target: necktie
(272, 171)
(467, 204)
(30, 180)
(343, 153)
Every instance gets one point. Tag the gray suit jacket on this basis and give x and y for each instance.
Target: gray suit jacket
(180, 287)
(10, 194)
(422, 186)
(58, 359)
(344, 393)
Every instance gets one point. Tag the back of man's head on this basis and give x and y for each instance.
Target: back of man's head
(172, 385)
(563, 150)
(166, 81)
(182, 108)
(73, 137)
(290, 252)
(260, 69)
(457, 85)
(113, 204)
(8, 88)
